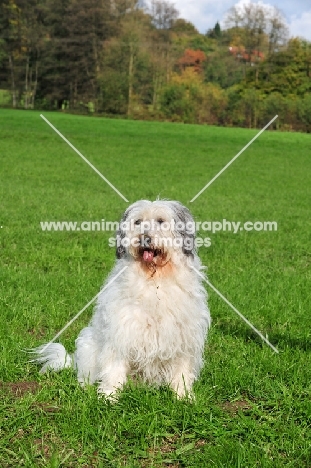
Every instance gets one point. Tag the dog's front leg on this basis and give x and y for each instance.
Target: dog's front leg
(112, 377)
(183, 378)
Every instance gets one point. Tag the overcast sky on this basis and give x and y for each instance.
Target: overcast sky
(204, 13)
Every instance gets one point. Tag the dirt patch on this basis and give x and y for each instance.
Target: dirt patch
(200, 443)
(46, 408)
(168, 444)
(37, 332)
(155, 454)
(160, 455)
(19, 389)
(50, 447)
(234, 407)
(41, 447)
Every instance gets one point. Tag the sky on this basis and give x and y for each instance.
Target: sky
(205, 13)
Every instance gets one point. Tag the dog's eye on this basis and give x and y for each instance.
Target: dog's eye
(137, 222)
(160, 221)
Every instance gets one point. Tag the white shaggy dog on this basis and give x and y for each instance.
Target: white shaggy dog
(151, 322)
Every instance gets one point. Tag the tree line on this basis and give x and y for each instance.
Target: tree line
(125, 58)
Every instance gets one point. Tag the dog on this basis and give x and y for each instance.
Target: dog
(151, 321)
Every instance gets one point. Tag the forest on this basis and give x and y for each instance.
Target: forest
(125, 58)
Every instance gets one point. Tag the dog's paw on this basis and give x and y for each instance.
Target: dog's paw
(187, 396)
(109, 394)
(182, 390)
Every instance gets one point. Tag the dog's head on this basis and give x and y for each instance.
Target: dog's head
(156, 233)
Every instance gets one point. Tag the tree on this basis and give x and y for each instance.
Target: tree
(76, 30)
(261, 27)
(249, 23)
(187, 98)
(192, 58)
(215, 32)
(33, 33)
(182, 27)
(163, 16)
(223, 69)
(10, 29)
(258, 29)
(289, 70)
(277, 31)
(124, 63)
(87, 22)
(134, 35)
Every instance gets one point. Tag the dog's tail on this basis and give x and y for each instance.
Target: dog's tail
(53, 356)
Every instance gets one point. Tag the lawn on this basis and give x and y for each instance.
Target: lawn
(252, 406)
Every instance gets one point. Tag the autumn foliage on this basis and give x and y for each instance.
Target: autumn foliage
(115, 57)
(192, 58)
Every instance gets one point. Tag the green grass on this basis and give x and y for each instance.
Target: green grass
(252, 407)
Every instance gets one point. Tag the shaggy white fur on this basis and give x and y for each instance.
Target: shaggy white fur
(150, 323)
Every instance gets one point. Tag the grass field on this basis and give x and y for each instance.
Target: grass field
(252, 407)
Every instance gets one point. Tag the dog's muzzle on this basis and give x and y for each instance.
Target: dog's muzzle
(147, 250)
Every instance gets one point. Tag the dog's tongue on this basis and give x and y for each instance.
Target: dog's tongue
(148, 256)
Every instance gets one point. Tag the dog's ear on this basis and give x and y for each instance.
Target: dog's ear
(185, 227)
(121, 234)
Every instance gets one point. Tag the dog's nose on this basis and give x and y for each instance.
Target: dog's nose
(147, 240)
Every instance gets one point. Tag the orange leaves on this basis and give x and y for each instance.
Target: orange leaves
(192, 58)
